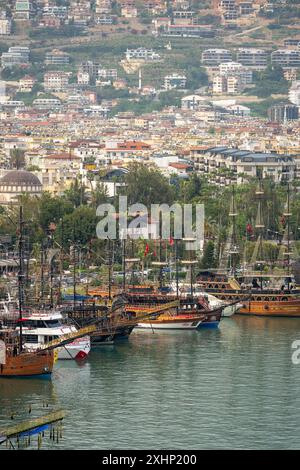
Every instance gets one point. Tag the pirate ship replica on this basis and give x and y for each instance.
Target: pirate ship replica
(254, 293)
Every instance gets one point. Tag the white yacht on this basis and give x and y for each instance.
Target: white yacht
(41, 327)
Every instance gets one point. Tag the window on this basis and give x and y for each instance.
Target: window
(52, 324)
(31, 339)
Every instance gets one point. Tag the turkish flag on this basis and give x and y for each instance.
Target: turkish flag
(146, 250)
(249, 229)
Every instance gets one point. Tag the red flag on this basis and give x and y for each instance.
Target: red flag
(171, 241)
(249, 229)
(146, 250)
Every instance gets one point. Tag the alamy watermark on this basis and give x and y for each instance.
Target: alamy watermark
(178, 221)
(296, 353)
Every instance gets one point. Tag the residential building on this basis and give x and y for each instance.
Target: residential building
(283, 112)
(286, 57)
(212, 57)
(251, 57)
(291, 42)
(3, 96)
(56, 11)
(83, 78)
(219, 84)
(142, 54)
(26, 84)
(90, 67)
(24, 10)
(129, 12)
(174, 80)
(46, 103)
(239, 110)
(237, 70)
(103, 7)
(231, 84)
(229, 10)
(294, 93)
(110, 74)
(56, 81)
(188, 30)
(104, 19)
(57, 57)
(192, 102)
(290, 74)
(15, 56)
(50, 21)
(246, 8)
(224, 166)
(5, 26)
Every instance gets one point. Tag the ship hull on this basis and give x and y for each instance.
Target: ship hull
(28, 365)
(78, 349)
(170, 326)
(210, 324)
(167, 322)
(289, 308)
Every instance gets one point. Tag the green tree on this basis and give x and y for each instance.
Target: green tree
(76, 194)
(146, 185)
(79, 226)
(17, 158)
(52, 209)
(208, 260)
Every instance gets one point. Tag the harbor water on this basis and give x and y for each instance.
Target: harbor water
(235, 387)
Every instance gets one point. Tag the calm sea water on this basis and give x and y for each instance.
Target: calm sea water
(235, 387)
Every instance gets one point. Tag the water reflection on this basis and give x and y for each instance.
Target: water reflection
(234, 387)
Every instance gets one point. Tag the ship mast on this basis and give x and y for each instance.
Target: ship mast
(20, 276)
(260, 227)
(288, 215)
(233, 252)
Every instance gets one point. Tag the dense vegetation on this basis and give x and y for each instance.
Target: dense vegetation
(73, 214)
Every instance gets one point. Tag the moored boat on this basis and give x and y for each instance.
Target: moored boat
(169, 321)
(14, 363)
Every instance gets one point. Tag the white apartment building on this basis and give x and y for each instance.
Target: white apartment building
(83, 78)
(141, 54)
(103, 7)
(241, 164)
(236, 69)
(5, 27)
(193, 102)
(57, 57)
(294, 93)
(46, 103)
(231, 84)
(252, 57)
(26, 84)
(108, 74)
(57, 11)
(174, 80)
(286, 57)
(56, 81)
(212, 57)
(16, 55)
(219, 84)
